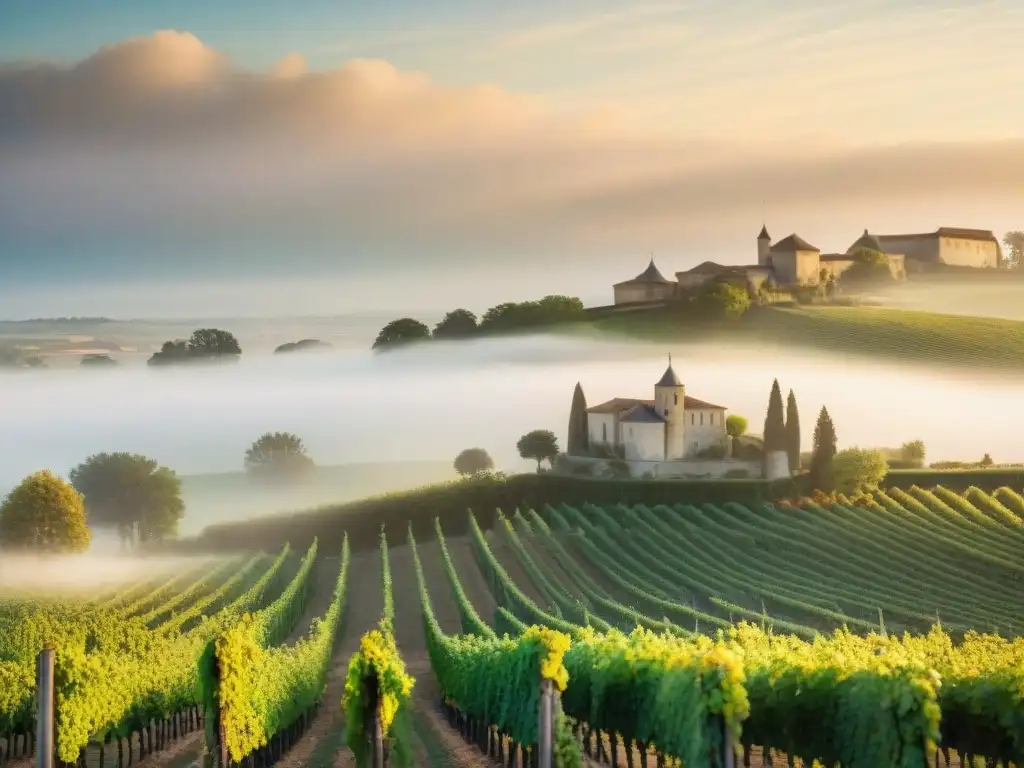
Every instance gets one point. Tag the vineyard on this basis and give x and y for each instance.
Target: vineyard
(880, 632)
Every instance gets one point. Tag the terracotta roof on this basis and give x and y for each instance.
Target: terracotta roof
(793, 243)
(764, 233)
(620, 404)
(642, 413)
(692, 403)
(984, 235)
(617, 404)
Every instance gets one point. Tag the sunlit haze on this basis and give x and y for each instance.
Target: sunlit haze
(377, 150)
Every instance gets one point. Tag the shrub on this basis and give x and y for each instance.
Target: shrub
(618, 468)
(712, 452)
(857, 469)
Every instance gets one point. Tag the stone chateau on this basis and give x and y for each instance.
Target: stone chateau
(792, 261)
(670, 427)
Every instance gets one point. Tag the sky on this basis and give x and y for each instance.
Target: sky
(326, 156)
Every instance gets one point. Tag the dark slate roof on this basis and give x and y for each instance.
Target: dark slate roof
(642, 414)
(793, 243)
(649, 275)
(835, 257)
(705, 267)
(866, 240)
(621, 404)
(764, 233)
(670, 378)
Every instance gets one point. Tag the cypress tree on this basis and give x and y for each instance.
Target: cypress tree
(792, 432)
(579, 440)
(824, 451)
(775, 422)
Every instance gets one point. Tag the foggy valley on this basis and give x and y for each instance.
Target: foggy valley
(416, 408)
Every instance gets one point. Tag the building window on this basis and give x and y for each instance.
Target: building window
(676, 398)
(604, 433)
(692, 417)
(702, 418)
(711, 418)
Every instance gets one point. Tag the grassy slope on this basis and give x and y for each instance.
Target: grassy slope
(216, 498)
(926, 337)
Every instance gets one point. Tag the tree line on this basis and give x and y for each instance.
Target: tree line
(126, 492)
(850, 471)
(501, 318)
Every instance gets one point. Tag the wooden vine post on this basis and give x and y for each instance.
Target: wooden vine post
(728, 748)
(546, 727)
(374, 733)
(378, 738)
(44, 711)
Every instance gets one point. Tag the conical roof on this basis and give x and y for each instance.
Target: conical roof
(764, 233)
(670, 378)
(866, 241)
(651, 275)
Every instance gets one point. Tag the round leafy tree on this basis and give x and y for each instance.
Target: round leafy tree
(457, 324)
(473, 461)
(402, 331)
(131, 493)
(44, 514)
(538, 445)
(735, 427)
(278, 456)
(212, 342)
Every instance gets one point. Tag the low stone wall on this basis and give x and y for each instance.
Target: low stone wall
(694, 469)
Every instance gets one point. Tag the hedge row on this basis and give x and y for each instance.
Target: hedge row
(485, 496)
(450, 501)
(957, 479)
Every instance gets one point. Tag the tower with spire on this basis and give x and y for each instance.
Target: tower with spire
(670, 403)
(764, 247)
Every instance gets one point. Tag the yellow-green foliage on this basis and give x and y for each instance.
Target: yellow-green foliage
(263, 690)
(44, 514)
(129, 676)
(657, 689)
(513, 669)
(378, 659)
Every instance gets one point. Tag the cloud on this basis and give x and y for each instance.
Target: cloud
(160, 137)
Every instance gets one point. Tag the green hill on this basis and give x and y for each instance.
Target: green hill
(230, 496)
(906, 335)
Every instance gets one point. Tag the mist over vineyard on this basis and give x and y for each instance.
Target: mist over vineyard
(350, 405)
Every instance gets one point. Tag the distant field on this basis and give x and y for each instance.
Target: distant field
(909, 335)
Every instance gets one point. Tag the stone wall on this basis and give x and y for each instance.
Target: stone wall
(685, 469)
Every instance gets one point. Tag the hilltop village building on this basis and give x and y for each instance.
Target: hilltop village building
(671, 427)
(793, 261)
